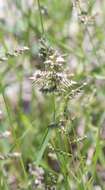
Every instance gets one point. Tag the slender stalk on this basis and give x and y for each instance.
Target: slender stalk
(61, 159)
(54, 108)
(41, 18)
(7, 109)
(23, 168)
(43, 145)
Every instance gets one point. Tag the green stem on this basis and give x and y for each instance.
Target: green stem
(54, 108)
(43, 145)
(7, 108)
(41, 19)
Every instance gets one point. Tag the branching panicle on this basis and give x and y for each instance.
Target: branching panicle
(53, 78)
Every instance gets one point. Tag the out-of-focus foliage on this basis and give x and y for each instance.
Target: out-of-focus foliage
(73, 158)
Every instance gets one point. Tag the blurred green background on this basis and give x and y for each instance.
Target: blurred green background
(27, 113)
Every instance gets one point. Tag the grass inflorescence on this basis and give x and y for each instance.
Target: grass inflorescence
(52, 88)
